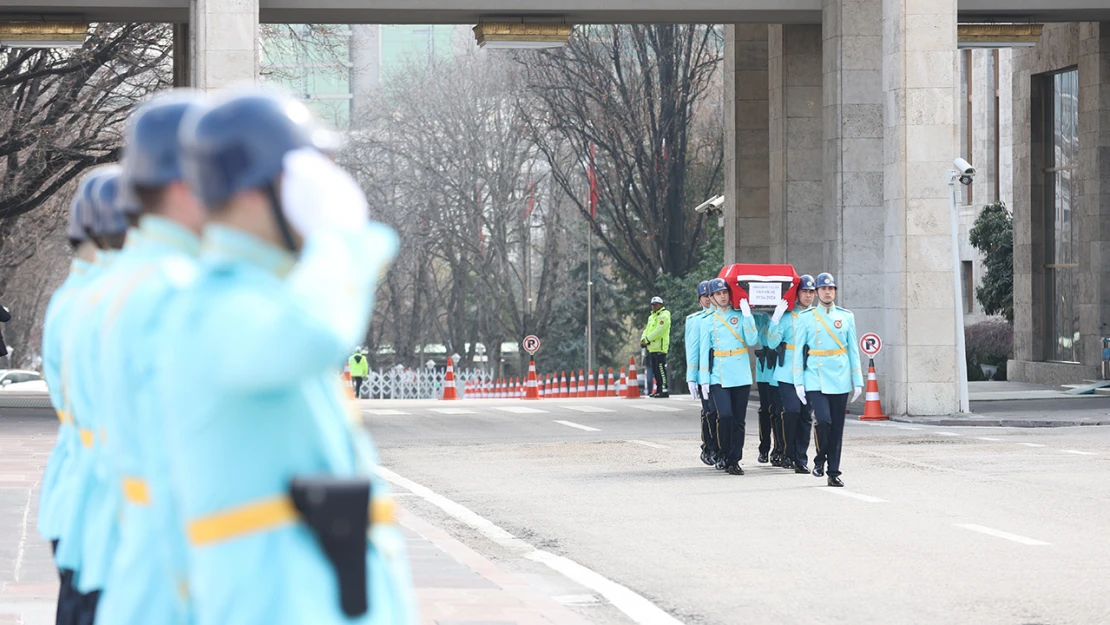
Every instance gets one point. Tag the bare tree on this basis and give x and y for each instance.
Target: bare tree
(624, 98)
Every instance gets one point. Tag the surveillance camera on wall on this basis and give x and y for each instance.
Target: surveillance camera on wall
(964, 170)
(712, 206)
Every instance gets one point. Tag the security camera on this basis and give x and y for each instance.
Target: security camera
(711, 206)
(965, 171)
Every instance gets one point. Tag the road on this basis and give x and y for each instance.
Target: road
(936, 525)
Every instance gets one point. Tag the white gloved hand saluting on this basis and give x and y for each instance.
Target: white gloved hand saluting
(316, 193)
(747, 310)
(705, 391)
(800, 389)
(694, 390)
(780, 310)
(855, 393)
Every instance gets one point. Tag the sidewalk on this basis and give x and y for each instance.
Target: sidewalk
(454, 584)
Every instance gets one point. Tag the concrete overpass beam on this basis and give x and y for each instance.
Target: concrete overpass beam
(797, 207)
(223, 43)
(919, 89)
(747, 175)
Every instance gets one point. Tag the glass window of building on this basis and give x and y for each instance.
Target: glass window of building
(1061, 232)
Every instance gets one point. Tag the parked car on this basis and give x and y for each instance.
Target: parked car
(18, 380)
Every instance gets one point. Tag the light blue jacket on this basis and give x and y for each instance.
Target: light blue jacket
(255, 399)
(784, 332)
(89, 535)
(57, 473)
(764, 374)
(731, 337)
(833, 367)
(692, 331)
(149, 565)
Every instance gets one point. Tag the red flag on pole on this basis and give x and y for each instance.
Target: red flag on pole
(592, 176)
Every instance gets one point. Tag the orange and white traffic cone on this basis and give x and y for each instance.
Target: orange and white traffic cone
(872, 407)
(633, 390)
(622, 385)
(582, 383)
(573, 391)
(612, 392)
(449, 390)
(564, 386)
(601, 388)
(591, 384)
(531, 388)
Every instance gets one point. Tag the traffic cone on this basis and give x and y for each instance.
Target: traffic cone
(591, 385)
(540, 386)
(573, 391)
(612, 387)
(602, 390)
(449, 390)
(872, 407)
(633, 390)
(581, 383)
(564, 387)
(622, 385)
(531, 386)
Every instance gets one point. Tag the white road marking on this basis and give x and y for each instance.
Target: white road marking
(1031, 444)
(1000, 534)
(23, 535)
(987, 438)
(385, 412)
(587, 408)
(657, 408)
(638, 608)
(521, 410)
(1077, 452)
(577, 425)
(848, 493)
(452, 410)
(647, 444)
(947, 434)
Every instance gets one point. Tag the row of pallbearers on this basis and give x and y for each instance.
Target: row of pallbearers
(806, 367)
(210, 468)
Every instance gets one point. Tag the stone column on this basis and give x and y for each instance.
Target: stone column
(747, 177)
(919, 142)
(797, 215)
(366, 70)
(852, 64)
(223, 43)
(984, 144)
(1006, 126)
(181, 55)
(1094, 191)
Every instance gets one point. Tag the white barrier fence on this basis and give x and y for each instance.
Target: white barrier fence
(415, 383)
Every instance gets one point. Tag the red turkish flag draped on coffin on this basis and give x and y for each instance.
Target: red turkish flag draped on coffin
(762, 285)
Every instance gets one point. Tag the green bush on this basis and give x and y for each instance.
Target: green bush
(988, 343)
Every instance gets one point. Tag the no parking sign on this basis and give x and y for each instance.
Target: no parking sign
(871, 344)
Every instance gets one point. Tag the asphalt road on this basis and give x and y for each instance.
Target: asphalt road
(945, 525)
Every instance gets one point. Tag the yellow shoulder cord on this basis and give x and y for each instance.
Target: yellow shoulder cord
(822, 320)
(734, 332)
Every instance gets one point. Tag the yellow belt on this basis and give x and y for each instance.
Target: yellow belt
(135, 491)
(734, 352)
(827, 352)
(266, 514)
(789, 346)
(87, 437)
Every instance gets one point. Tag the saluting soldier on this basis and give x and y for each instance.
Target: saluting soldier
(726, 337)
(826, 369)
(695, 376)
(285, 517)
(795, 414)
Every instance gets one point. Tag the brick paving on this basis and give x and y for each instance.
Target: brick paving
(454, 584)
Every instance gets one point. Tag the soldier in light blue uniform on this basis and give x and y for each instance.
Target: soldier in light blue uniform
(695, 376)
(53, 492)
(770, 408)
(826, 369)
(285, 517)
(726, 338)
(147, 574)
(796, 415)
(88, 537)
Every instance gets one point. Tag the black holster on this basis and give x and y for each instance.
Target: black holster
(781, 352)
(338, 512)
(711, 360)
(805, 356)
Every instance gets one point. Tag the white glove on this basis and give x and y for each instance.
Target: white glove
(745, 308)
(317, 193)
(855, 393)
(800, 389)
(705, 391)
(780, 310)
(694, 390)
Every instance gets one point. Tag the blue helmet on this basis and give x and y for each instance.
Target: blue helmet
(826, 279)
(81, 208)
(807, 283)
(716, 285)
(152, 152)
(108, 216)
(703, 288)
(240, 143)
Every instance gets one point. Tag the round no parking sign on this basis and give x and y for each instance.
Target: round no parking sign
(871, 344)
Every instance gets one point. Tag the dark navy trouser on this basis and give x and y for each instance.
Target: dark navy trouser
(797, 419)
(732, 410)
(708, 425)
(828, 412)
(770, 418)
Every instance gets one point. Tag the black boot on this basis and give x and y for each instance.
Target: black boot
(801, 468)
(834, 480)
(818, 470)
(734, 469)
(705, 458)
(762, 457)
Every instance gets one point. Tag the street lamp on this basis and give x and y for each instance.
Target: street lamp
(964, 173)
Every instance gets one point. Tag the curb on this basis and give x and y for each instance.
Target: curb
(973, 421)
(25, 400)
